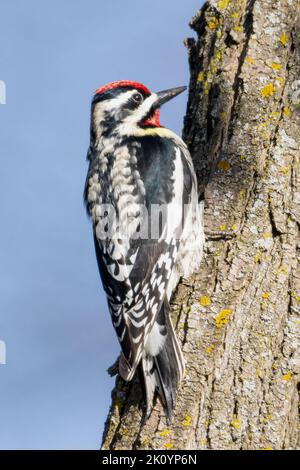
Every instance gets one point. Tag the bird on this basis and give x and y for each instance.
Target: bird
(141, 196)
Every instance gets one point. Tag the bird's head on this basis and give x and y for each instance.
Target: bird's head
(126, 108)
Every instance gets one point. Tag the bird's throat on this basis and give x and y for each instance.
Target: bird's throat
(152, 120)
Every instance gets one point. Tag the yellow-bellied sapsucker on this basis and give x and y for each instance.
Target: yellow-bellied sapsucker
(141, 194)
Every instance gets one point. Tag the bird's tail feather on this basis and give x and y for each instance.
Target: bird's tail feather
(163, 372)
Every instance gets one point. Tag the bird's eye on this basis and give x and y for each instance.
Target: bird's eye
(137, 98)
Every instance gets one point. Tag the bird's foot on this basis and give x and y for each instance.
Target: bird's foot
(114, 368)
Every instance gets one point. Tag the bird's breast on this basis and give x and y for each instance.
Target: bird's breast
(115, 187)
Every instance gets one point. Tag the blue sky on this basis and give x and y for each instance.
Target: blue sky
(54, 389)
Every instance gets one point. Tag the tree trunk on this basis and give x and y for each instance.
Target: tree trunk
(238, 318)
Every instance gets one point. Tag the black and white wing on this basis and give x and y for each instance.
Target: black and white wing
(135, 272)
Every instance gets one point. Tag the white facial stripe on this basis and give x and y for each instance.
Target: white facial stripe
(107, 106)
(116, 103)
(130, 124)
(142, 111)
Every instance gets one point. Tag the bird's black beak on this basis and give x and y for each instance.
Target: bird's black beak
(166, 95)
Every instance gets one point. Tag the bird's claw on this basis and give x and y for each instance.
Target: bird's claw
(114, 368)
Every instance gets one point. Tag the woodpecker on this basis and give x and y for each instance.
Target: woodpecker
(135, 166)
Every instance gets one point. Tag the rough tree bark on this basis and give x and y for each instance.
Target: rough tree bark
(238, 318)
